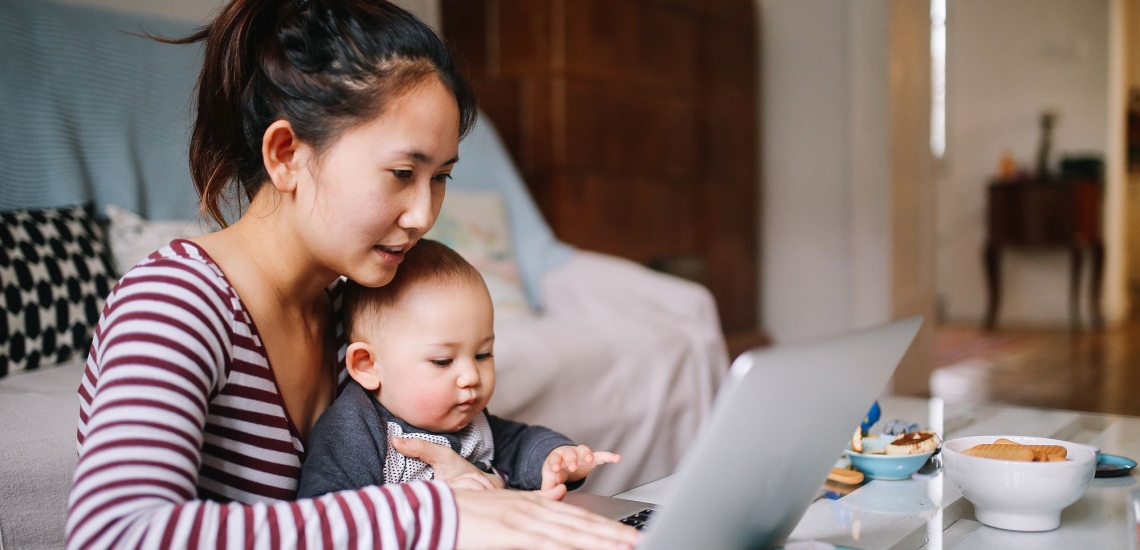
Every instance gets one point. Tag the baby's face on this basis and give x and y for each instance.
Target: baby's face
(434, 355)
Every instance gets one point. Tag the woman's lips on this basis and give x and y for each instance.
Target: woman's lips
(389, 254)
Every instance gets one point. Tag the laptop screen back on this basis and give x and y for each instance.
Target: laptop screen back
(776, 430)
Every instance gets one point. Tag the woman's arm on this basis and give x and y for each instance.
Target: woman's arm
(160, 354)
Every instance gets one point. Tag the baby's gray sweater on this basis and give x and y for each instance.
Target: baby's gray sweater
(348, 446)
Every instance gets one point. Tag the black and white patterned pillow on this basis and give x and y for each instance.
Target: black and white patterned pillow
(55, 273)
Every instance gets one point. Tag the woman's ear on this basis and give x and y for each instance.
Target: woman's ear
(361, 365)
(279, 154)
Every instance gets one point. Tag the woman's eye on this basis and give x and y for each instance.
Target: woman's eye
(403, 174)
(441, 178)
(441, 362)
(483, 356)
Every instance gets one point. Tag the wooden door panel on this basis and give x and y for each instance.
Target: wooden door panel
(633, 123)
(612, 131)
(669, 50)
(522, 33)
(602, 38)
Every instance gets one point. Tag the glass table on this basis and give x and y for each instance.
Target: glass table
(929, 513)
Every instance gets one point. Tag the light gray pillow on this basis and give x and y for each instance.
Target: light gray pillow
(133, 238)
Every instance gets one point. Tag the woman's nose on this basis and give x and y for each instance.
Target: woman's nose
(419, 209)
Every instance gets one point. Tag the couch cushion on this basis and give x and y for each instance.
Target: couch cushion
(56, 272)
(37, 455)
(133, 238)
(474, 224)
(487, 166)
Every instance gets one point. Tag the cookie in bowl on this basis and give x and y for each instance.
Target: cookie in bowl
(1022, 483)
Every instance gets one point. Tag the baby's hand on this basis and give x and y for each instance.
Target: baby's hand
(568, 463)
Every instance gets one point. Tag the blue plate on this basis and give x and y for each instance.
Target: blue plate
(1113, 465)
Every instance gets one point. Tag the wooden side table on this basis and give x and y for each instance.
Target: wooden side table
(1036, 214)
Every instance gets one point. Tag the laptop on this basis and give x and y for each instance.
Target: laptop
(777, 427)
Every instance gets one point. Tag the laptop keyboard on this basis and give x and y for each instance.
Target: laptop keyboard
(639, 520)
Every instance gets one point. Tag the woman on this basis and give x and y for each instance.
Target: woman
(339, 122)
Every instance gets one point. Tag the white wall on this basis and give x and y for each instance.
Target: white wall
(1116, 175)
(1006, 61)
(825, 256)
(847, 192)
(201, 10)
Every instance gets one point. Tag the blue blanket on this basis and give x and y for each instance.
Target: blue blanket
(89, 112)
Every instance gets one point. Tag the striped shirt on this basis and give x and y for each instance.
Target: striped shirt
(184, 439)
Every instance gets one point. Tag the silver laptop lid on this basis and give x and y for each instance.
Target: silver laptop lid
(776, 430)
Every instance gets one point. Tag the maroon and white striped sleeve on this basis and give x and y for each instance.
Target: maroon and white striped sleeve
(160, 353)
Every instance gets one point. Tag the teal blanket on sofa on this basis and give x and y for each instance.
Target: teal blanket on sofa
(71, 130)
(89, 111)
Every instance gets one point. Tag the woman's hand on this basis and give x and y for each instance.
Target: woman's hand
(502, 520)
(476, 481)
(449, 467)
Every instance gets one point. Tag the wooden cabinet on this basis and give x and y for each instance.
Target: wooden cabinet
(633, 122)
(1033, 214)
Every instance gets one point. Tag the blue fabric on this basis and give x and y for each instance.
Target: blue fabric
(91, 113)
(485, 165)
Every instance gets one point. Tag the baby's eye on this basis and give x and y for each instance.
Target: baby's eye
(441, 362)
(402, 174)
(483, 356)
(441, 178)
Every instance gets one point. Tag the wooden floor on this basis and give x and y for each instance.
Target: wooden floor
(1097, 372)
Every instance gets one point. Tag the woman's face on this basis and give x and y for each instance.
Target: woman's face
(379, 187)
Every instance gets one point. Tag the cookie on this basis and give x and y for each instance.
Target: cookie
(857, 440)
(845, 476)
(1048, 453)
(1041, 453)
(1019, 453)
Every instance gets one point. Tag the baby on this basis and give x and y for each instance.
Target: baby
(422, 367)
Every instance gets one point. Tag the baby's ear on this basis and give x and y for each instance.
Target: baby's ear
(361, 365)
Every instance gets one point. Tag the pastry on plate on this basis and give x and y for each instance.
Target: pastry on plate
(913, 443)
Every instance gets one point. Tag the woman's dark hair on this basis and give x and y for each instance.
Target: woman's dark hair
(324, 66)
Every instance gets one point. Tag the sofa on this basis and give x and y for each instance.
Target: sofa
(605, 350)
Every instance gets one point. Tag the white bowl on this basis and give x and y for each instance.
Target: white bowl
(1019, 496)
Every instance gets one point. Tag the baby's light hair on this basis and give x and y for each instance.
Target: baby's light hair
(428, 262)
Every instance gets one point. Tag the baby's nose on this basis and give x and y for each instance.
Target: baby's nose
(468, 378)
